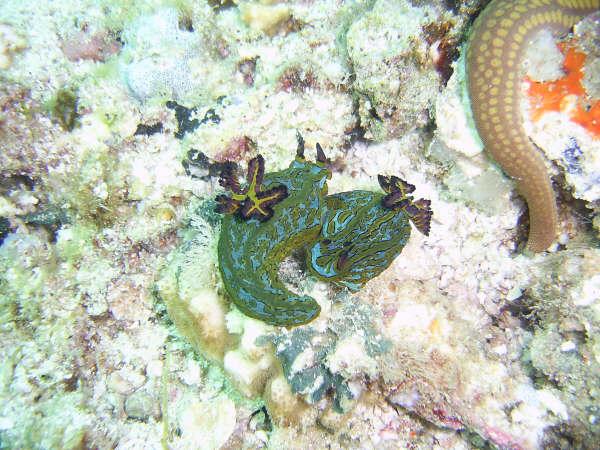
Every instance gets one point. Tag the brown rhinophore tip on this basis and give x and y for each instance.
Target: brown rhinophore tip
(228, 180)
(321, 154)
(395, 184)
(300, 148)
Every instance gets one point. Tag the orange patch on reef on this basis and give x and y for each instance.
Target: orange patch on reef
(566, 94)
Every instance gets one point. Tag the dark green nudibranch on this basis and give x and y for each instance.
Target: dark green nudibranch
(350, 237)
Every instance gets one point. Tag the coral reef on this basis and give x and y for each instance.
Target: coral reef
(395, 94)
(565, 333)
(117, 329)
(400, 54)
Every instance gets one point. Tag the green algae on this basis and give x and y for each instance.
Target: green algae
(63, 108)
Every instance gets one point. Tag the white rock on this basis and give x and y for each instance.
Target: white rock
(208, 425)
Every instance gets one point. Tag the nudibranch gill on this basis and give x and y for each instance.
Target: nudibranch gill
(349, 237)
(498, 39)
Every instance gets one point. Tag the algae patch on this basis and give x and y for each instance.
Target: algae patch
(63, 108)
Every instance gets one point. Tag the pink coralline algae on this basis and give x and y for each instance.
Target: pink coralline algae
(97, 47)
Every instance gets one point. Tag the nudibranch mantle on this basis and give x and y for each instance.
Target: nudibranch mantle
(350, 237)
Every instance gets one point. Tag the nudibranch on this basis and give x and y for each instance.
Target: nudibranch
(364, 231)
(498, 39)
(350, 237)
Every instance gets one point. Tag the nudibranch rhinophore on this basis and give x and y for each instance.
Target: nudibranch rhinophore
(496, 45)
(350, 237)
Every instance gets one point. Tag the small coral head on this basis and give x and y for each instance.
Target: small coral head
(398, 198)
(253, 201)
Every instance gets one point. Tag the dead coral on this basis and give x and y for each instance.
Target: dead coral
(565, 349)
(393, 84)
(96, 47)
(247, 67)
(26, 135)
(265, 18)
(297, 79)
(443, 49)
(11, 43)
(236, 150)
(63, 108)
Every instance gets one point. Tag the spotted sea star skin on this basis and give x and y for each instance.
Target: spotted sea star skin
(496, 45)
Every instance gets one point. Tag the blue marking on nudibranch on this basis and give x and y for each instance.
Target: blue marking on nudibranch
(351, 237)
